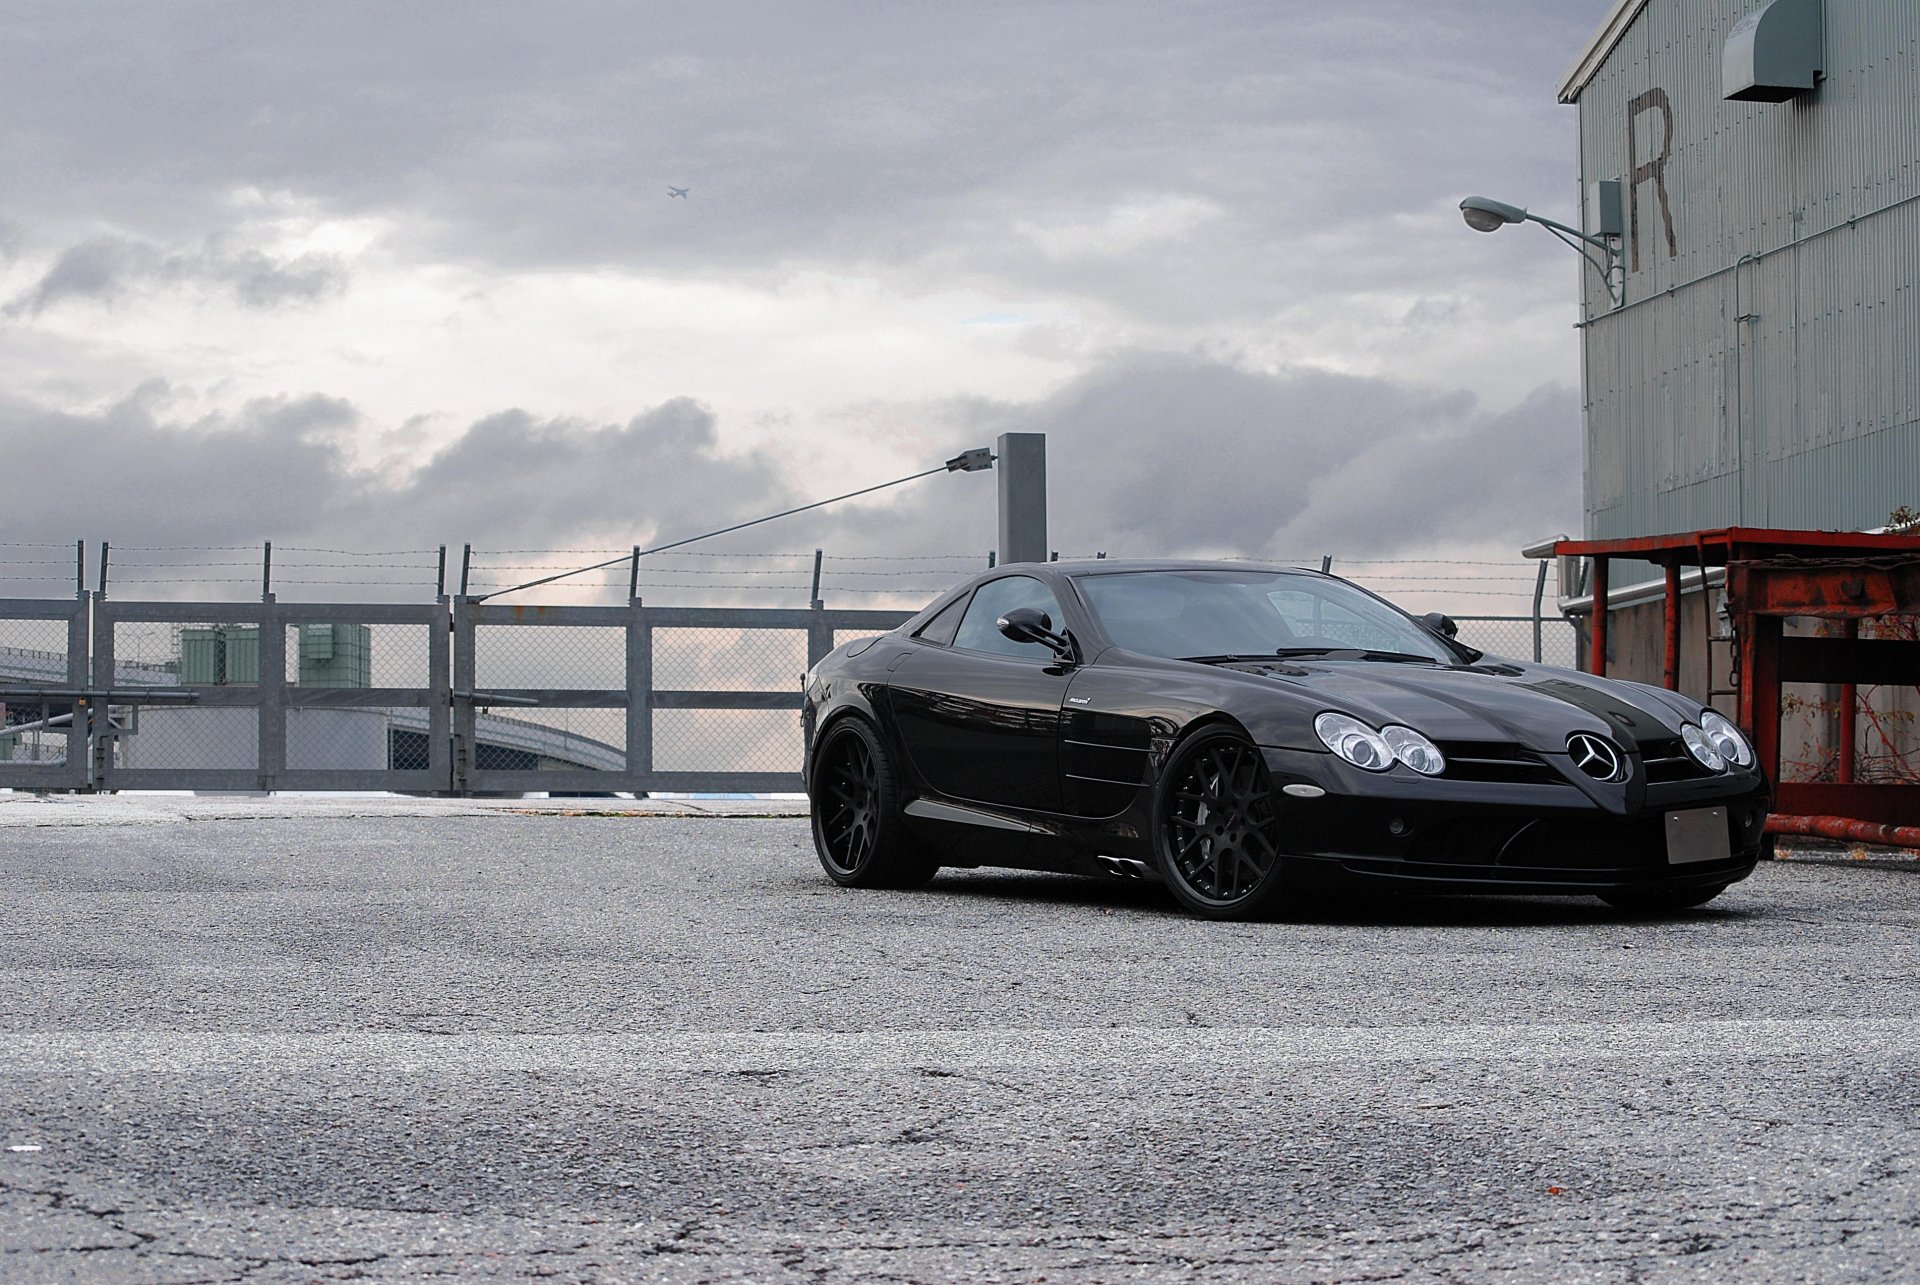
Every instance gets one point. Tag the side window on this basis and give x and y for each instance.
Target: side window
(941, 628)
(994, 600)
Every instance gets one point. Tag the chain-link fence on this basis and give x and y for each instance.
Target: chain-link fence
(470, 694)
(1514, 637)
(42, 658)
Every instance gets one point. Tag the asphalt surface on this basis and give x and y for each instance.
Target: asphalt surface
(482, 1045)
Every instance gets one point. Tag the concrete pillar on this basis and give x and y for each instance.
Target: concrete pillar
(1022, 469)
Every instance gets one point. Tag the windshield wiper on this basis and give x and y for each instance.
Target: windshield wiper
(1329, 653)
(1360, 653)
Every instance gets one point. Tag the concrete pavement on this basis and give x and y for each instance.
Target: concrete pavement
(374, 1042)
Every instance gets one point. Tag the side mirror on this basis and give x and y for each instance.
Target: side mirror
(1026, 625)
(1032, 625)
(1440, 624)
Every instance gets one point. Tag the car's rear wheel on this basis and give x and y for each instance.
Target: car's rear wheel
(857, 827)
(1216, 832)
(1660, 901)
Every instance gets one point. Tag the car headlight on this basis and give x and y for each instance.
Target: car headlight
(1354, 741)
(1726, 738)
(1701, 748)
(1415, 750)
(1378, 751)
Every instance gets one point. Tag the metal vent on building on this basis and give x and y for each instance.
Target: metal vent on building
(1773, 53)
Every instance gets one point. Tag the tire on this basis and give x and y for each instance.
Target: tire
(1660, 901)
(1215, 830)
(858, 831)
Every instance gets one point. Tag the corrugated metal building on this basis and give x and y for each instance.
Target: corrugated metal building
(1764, 367)
(1761, 366)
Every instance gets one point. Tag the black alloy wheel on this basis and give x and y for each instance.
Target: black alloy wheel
(1217, 832)
(857, 829)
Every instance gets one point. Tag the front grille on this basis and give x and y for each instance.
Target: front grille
(1668, 760)
(1495, 761)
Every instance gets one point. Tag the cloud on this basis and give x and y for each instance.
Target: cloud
(107, 268)
(1161, 455)
(1170, 455)
(1149, 455)
(277, 470)
(898, 133)
(515, 477)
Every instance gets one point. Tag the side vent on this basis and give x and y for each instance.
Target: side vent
(1774, 53)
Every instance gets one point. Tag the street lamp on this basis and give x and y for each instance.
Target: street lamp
(1484, 214)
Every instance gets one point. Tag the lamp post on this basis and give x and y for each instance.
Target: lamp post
(1484, 214)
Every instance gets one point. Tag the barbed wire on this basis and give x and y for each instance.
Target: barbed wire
(359, 553)
(679, 571)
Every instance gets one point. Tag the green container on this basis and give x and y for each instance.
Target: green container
(243, 653)
(202, 657)
(215, 655)
(336, 656)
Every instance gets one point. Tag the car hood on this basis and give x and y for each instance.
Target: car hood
(1535, 706)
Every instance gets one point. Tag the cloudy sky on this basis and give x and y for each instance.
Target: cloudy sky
(374, 275)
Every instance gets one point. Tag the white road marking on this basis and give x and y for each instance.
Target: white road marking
(36, 1052)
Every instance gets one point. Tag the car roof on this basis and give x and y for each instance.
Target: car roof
(1108, 566)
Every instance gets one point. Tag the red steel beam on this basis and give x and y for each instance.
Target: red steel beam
(1847, 830)
(1759, 659)
(1597, 663)
(1671, 672)
(1727, 542)
(1849, 714)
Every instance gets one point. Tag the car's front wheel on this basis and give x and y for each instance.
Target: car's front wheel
(857, 827)
(1216, 831)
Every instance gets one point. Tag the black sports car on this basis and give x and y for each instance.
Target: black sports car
(1233, 730)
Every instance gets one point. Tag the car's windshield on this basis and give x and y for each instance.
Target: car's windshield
(1231, 612)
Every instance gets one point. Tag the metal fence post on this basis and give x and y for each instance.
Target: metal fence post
(273, 693)
(97, 743)
(440, 755)
(1539, 597)
(639, 699)
(79, 668)
(819, 636)
(464, 721)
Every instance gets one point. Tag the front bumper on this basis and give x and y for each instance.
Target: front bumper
(1420, 833)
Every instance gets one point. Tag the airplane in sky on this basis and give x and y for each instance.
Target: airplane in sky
(680, 192)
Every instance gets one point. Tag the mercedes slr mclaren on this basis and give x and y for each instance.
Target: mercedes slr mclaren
(1236, 731)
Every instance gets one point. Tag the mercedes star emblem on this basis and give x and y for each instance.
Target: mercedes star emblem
(1595, 757)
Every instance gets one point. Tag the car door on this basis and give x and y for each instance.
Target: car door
(980, 717)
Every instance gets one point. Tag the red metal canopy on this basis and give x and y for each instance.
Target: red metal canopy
(1772, 574)
(1739, 543)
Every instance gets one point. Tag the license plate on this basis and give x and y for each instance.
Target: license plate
(1698, 834)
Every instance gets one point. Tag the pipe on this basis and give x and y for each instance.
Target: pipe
(1846, 829)
(1849, 717)
(1670, 669)
(1597, 663)
(1539, 596)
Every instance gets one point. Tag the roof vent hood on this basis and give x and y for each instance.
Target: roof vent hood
(1773, 53)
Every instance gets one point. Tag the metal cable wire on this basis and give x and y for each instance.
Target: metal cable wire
(359, 553)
